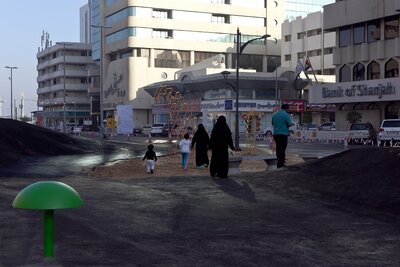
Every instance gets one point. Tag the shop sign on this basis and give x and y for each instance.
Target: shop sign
(295, 105)
(315, 108)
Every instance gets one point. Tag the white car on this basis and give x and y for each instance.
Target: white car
(389, 130)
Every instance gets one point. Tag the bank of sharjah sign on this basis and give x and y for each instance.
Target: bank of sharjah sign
(114, 85)
(360, 90)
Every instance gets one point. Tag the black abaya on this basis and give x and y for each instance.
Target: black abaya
(201, 140)
(220, 141)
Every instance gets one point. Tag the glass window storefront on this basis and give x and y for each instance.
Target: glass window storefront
(373, 71)
(344, 36)
(345, 74)
(358, 72)
(392, 27)
(391, 69)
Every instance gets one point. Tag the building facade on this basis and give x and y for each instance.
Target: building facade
(304, 38)
(149, 41)
(63, 84)
(366, 59)
(300, 8)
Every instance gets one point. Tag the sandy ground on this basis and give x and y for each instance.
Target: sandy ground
(171, 166)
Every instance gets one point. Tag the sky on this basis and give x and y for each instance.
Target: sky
(23, 22)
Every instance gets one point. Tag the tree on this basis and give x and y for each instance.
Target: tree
(353, 116)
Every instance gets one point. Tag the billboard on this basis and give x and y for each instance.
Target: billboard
(124, 119)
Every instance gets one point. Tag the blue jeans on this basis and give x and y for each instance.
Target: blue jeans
(185, 157)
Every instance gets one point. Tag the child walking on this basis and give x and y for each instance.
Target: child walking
(151, 158)
(184, 145)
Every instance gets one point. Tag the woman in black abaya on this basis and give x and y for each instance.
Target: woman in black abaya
(220, 141)
(201, 140)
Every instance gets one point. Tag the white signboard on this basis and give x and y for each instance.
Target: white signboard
(244, 105)
(357, 91)
(124, 119)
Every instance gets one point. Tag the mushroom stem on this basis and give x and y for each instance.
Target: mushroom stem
(48, 231)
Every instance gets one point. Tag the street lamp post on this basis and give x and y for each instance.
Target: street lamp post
(101, 27)
(11, 79)
(239, 50)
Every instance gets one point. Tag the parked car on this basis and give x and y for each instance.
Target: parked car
(327, 126)
(269, 129)
(136, 131)
(360, 132)
(157, 129)
(389, 130)
(146, 130)
(310, 127)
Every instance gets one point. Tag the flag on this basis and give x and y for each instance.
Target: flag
(307, 65)
(299, 69)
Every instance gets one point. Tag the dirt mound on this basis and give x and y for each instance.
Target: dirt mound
(367, 176)
(19, 139)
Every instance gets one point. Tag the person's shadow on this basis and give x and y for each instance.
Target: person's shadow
(239, 190)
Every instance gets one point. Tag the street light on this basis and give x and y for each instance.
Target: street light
(11, 79)
(102, 27)
(239, 50)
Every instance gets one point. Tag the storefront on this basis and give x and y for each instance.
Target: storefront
(375, 100)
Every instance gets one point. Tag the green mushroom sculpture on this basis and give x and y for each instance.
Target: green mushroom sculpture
(48, 196)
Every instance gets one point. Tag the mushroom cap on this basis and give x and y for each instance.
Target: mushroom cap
(47, 195)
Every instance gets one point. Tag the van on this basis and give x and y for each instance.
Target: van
(389, 130)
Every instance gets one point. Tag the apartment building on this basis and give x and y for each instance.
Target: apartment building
(304, 38)
(149, 41)
(63, 84)
(301, 8)
(366, 60)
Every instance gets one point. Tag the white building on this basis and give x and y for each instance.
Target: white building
(300, 8)
(366, 59)
(151, 40)
(63, 83)
(304, 38)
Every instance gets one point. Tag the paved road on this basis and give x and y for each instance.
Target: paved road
(197, 221)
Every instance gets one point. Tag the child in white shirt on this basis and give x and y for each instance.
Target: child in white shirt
(184, 145)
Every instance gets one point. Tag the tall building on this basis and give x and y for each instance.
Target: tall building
(149, 41)
(300, 8)
(63, 84)
(366, 59)
(84, 22)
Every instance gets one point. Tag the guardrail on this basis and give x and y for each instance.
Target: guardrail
(321, 136)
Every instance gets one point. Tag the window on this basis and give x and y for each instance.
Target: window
(288, 57)
(314, 32)
(358, 34)
(218, 18)
(161, 14)
(288, 38)
(171, 59)
(344, 36)
(358, 72)
(392, 27)
(301, 35)
(313, 53)
(166, 34)
(328, 51)
(344, 74)
(373, 71)
(373, 31)
(391, 69)
(301, 55)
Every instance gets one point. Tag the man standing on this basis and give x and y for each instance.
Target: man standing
(281, 122)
